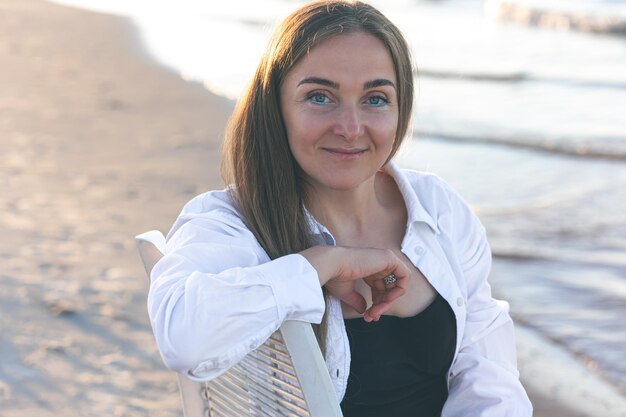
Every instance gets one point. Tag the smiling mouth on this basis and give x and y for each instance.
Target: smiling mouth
(345, 154)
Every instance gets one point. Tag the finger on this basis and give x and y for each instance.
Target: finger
(382, 302)
(365, 262)
(368, 317)
(375, 311)
(381, 282)
(393, 294)
(355, 300)
(397, 276)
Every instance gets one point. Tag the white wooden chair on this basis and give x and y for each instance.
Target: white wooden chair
(286, 376)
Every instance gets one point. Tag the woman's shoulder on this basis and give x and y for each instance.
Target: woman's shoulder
(221, 201)
(424, 179)
(431, 189)
(209, 209)
(438, 198)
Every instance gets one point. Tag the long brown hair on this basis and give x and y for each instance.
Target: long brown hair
(257, 159)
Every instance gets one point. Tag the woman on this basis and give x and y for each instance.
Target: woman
(321, 226)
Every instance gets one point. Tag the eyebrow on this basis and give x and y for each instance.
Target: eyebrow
(318, 80)
(379, 82)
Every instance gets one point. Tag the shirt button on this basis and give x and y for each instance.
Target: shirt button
(419, 250)
(459, 301)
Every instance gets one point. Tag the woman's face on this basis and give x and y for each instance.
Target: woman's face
(339, 104)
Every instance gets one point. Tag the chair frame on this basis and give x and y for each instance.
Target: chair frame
(300, 342)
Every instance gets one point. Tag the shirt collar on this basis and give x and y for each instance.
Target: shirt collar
(319, 230)
(415, 210)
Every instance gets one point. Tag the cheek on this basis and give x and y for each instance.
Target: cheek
(299, 142)
(303, 129)
(385, 128)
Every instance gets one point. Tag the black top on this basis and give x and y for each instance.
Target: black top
(399, 365)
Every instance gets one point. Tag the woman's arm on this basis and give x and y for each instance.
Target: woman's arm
(215, 295)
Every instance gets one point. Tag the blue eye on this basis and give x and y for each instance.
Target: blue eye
(319, 98)
(377, 101)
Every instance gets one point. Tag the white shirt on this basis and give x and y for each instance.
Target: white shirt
(216, 295)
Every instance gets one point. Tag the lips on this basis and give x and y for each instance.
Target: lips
(345, 154)
(344, 151)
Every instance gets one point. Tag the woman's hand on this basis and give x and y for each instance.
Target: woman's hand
(339, 267)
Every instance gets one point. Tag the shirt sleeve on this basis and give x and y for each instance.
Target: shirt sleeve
(215, 296)
(484, 380)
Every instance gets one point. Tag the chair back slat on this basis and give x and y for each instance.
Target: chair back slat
(267, 381)
(151, 247)
(285, 377)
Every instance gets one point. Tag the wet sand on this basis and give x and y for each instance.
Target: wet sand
(99, 143)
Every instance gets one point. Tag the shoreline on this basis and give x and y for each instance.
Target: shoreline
(121, 143)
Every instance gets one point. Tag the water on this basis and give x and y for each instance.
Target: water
(529, 125)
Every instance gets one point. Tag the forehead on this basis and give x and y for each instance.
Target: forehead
(356, 56)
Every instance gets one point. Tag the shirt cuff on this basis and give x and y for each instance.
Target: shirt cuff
(296, 287)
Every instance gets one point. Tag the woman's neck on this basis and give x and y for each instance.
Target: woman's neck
(352, 215)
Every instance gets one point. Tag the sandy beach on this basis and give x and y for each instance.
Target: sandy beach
(99, 143)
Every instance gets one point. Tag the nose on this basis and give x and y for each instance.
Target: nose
(349, 124)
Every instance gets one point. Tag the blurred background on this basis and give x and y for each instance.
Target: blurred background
(111, 115)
